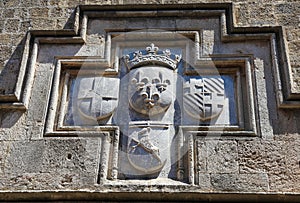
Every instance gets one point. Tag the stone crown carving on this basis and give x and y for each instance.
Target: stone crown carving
(152, 56)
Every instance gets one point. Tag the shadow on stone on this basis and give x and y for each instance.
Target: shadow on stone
(10, 72)
(8, 118)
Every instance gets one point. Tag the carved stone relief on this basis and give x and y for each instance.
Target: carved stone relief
(150, 92)
(153, 103)
(91, 100)
(204, 98)
(149, 135)
(152, 95)
(161, 100)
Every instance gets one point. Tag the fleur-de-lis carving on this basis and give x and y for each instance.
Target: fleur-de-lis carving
(137, 54)
(161, 84)
(167, 52)
(152, 49)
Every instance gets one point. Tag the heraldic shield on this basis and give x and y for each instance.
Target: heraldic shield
(97, 97)
(144, 151)
(203, 98)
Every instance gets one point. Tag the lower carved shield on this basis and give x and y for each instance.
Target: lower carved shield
(97, 97)
(144, 152)
(203, 98)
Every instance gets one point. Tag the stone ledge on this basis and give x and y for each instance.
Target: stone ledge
(112, 196)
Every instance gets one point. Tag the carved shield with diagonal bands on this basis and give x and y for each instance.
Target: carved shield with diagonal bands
(204, 97)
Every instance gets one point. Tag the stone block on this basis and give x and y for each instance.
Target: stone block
(6, 50)
(291, 20)
(284, 182)
(256, 157)
(12, 25)
(43, 23)
(294, 46)
(7, 84)
(73, 160)
(287, 8)
(38, 12)
(204, 181)
(293, 34)
(222, 156)
(12, 125)
(291, 151)
(57, 3)
(57, 12)
(251, 156)
(38, 107)
(258, 182)
(25, 26)
(9, 4)
(250, 13)
(5, 39)
(49, 164)
(21, 13)
(281, 125)
(8, 13)
(24, 157)
(4, 153)
(27, 3)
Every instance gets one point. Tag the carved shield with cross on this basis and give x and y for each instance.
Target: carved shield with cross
(203, 98)
(97, 97)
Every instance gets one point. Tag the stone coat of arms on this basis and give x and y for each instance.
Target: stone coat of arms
(203, 98)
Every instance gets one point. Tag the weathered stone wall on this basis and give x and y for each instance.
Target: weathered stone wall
(268, 164)
(19, 17)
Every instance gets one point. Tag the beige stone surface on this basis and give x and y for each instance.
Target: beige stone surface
(33, 167)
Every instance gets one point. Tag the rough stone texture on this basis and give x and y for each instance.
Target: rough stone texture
(58, 163)
(244, 182)
(270, 163)
(50, 14)
(217, 157)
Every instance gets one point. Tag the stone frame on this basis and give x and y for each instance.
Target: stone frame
(54, 125)
(108, 168)
(110, 134)
(245, 95)
(241, 66)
